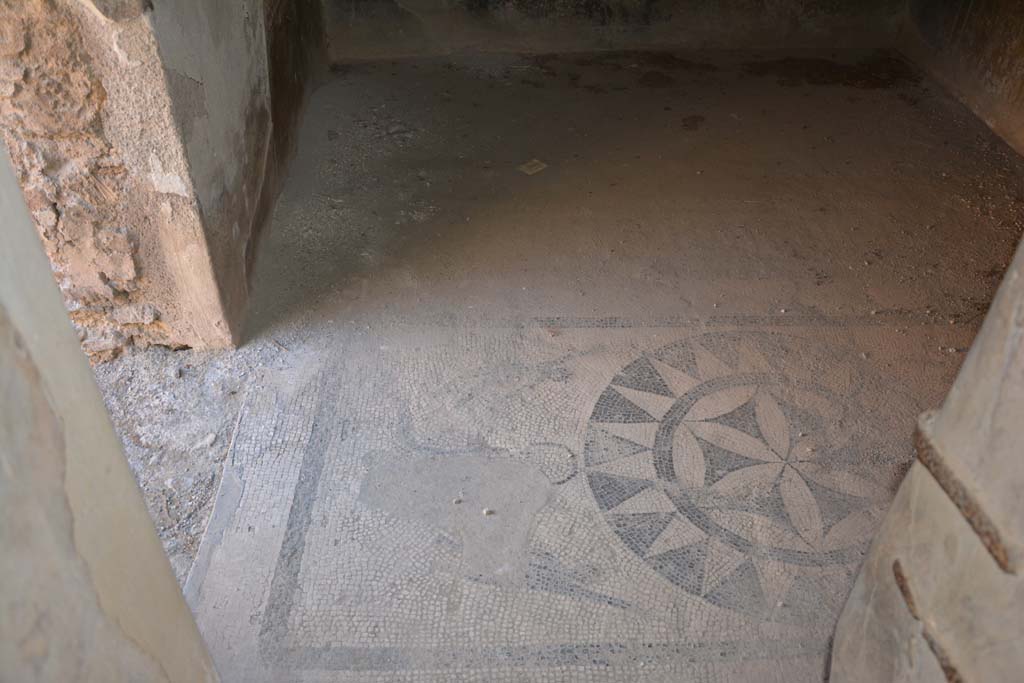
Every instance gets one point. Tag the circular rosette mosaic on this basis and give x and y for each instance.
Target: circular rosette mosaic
(734, 465)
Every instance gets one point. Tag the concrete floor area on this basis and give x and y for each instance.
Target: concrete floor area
(575, 368)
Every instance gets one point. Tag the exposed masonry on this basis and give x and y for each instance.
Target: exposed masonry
(147, 180)
(73, 178)
(86, 116)
(965, 502)
(948, 669)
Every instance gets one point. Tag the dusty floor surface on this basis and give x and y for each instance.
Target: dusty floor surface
(630, 413)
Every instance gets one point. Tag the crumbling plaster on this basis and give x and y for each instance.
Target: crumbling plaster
(140, 139)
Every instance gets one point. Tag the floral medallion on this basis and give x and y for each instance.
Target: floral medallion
(734, 465)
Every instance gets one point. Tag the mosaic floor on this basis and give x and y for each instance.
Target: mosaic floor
(594, 504)
(631, 417)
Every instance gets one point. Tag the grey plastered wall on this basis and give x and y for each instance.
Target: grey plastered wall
(214, 55)
(86, 592)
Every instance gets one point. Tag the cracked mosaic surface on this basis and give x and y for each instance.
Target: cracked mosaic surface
(689, 509)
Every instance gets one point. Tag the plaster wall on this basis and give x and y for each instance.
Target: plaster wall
(86, 592)
(941, 588)
(215, 60)
(976, 49)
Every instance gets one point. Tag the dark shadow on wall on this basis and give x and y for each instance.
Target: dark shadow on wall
(375, 29)
(296, 60)
(976, 48)
(238, 86)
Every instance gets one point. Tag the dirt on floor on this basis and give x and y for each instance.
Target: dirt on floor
(670, 185)
(175, 412)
